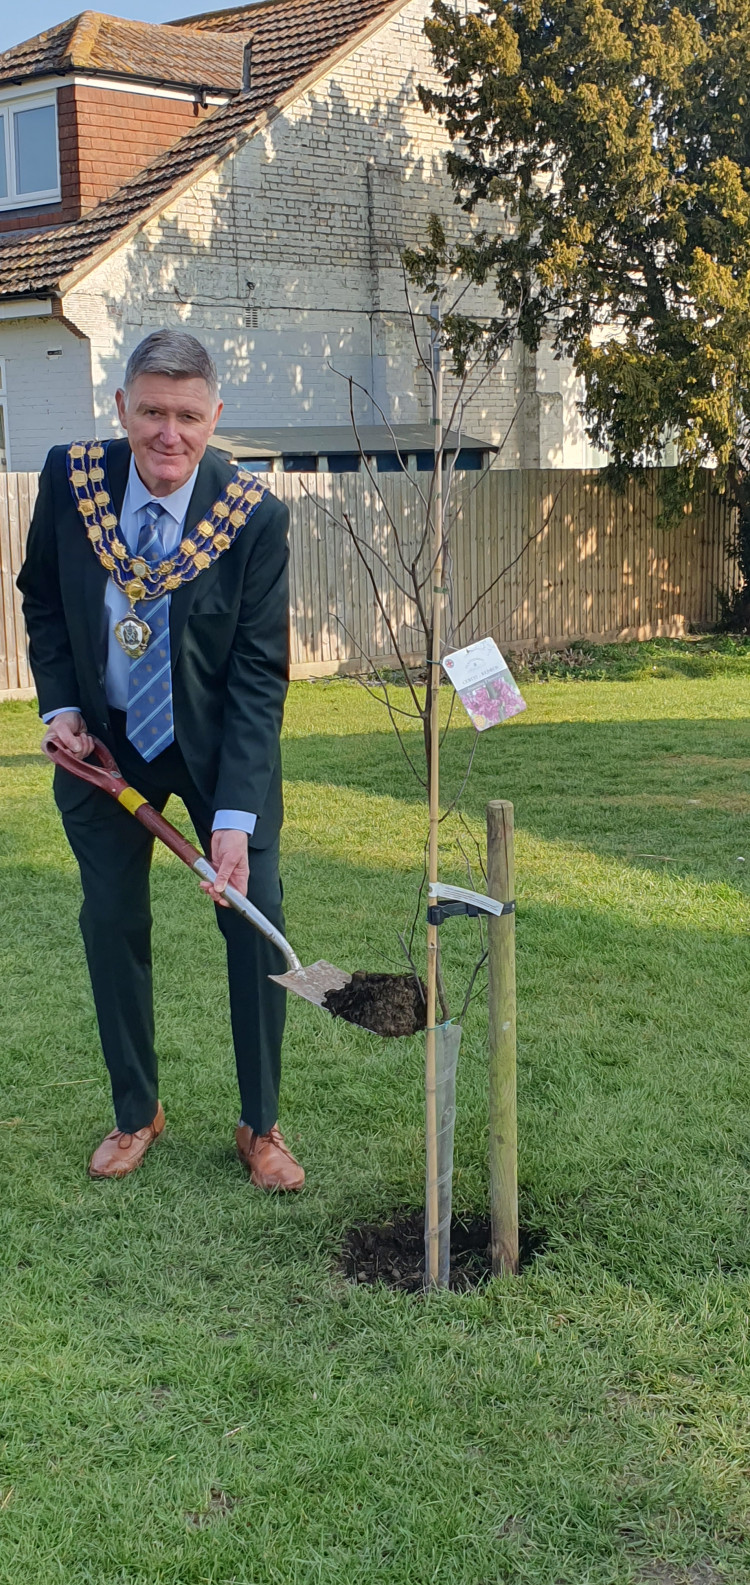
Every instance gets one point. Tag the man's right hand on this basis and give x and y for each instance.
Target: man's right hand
(69, 730)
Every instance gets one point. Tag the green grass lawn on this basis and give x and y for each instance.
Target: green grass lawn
(190, 1393)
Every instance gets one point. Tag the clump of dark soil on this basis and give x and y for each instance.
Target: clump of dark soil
(387, 1004)
(392, 1252)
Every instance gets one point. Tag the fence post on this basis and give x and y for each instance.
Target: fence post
(502, 1041)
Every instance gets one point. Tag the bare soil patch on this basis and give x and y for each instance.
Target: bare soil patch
(392, 1252)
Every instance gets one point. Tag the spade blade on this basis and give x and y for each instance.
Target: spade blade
(313, 982)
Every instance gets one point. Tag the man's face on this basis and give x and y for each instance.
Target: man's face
(169, 424)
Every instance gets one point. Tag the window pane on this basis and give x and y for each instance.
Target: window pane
(3, 454)
(36, 150)
(3, 161)
(470, 461)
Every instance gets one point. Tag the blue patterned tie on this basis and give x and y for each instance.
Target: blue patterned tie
(149, 719)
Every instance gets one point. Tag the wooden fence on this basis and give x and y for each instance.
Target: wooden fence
(17, 497)
(539, 558)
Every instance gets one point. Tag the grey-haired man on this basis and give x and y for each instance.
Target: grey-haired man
(157, 612)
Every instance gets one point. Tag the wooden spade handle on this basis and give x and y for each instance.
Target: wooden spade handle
(107, 776)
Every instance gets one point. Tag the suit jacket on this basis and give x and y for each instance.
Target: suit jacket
(228, 629)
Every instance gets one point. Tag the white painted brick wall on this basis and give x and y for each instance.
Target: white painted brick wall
(305, 224)
(49, 400)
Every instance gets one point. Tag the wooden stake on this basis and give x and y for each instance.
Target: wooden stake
(432, 1212)
(502, 1065)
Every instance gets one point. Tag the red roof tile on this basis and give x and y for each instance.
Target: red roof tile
(289, 39)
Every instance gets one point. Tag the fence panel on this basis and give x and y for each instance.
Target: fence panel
(539, 557)
(17, 496)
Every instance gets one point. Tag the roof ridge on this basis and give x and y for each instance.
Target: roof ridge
(96, 43)
(78, 37)
(83, 38)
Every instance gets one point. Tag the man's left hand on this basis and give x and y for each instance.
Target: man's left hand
(230, 860)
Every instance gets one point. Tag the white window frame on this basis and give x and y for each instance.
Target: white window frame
(8, 107)
(4, 408)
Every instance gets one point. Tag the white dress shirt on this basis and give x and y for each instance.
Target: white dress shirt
(117, 671)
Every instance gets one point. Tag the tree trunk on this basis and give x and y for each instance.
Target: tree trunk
(736, 617)
(427, 730)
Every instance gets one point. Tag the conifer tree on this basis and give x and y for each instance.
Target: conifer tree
(611, 140)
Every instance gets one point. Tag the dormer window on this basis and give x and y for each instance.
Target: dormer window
(29, 160)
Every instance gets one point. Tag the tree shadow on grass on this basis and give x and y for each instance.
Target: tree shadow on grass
(667, 794)
(634, 1109)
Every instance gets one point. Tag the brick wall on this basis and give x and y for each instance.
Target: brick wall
(118, 133)
(49, 398)
(105, 137)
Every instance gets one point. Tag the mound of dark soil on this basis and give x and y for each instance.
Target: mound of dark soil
(387, 1004)
(392, 1252)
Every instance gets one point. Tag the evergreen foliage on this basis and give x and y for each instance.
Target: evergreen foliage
(614, 138)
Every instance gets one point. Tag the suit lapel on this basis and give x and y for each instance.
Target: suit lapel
(213, 475)
(118, 470)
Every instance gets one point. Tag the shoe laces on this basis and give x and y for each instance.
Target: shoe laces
(274, 1137)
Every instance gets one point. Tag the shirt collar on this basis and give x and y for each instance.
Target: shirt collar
(175, 504)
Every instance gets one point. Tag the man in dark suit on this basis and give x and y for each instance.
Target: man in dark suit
(155, 592)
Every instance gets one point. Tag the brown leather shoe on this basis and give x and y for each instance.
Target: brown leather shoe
(270, 1164)
(120, 1154)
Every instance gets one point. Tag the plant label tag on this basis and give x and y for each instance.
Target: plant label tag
(484, 684)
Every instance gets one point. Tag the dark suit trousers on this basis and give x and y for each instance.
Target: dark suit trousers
(114, 856)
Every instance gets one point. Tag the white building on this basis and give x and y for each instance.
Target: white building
(251, 175)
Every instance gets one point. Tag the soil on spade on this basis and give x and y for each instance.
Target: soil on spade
(387, 1004)
(392, 1252)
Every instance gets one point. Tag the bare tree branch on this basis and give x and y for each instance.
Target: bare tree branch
(470, 834)
(384, 613)
(440, 986)
(399, 543)
(415, 335)
(511, 564)
(482, 991)
(420, 893)
(462, 788)
(410, 960)
(357, 386)
(387, 702)
(468, 997)
(316, 501)
(472, 887)
(446, 728)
